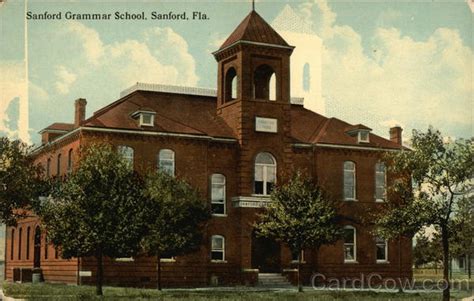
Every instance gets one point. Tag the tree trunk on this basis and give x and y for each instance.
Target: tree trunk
(158, 271)
(445, 242)
(400, 287)
(100, 273)
(469, 266)
(300, 286)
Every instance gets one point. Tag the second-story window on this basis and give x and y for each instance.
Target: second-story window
(127, 154)
(69, 161)
(48, 168)
(265, 174)
(58, 165)
(380, 182)
(349, 181)
(166, 161)
(218, 194)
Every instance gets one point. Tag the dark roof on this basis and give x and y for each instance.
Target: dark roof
(196, 115)
(58, 126)
(254, 29)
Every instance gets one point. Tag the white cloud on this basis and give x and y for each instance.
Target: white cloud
(416, 82)
(88, 38)
(65, 79)
(11, 87)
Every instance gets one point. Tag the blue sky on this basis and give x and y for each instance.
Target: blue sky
(384, 62)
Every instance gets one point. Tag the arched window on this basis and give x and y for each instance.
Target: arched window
(380, 182)
(350, 244)
(69, 161)
(349, 181)
(48, 168)
(28, 230)
(19, 243)
(261, 82)
(58, 165)
(12, 244)
(166, 161)
(37, 248)
(230, 88)
(265, 174)
(127, 154)
(382, 249)
(218, 194)
(217, 248)
(306, 78)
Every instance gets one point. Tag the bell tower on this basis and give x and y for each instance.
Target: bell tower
(253, 67)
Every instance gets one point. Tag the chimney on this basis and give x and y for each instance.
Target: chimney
(396, 135)
(80, 112)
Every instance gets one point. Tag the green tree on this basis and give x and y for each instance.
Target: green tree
(441, 174)
(426, 251)
(462, 229)
(177, 216)
(98, 210)
(20, 180)
(300, 216)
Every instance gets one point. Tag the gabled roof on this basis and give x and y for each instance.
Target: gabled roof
(254, 29)
(58, 127)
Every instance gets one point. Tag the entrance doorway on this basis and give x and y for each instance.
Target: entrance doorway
(265, 254)
(37, 249)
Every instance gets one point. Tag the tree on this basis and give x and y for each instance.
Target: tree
(441, 174)
(462, 229)
(177, 216)
(98, 210)
(300, 216)
(426, 251)
(20, 180)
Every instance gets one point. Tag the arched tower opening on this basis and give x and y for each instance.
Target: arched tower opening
(263, 84)
(230, 88)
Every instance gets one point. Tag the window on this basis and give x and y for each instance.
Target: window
(230, 88)
(265, 174)
(363, 136)
(127, 154)
(349, 180)
(295, 257)
(166, 161)
(380, 182)
(12, 246)
(382, 249)
(56, 253)
(350, 251)
(218, 248)
(147, 119)
(46, 247)
(218, 194)
(19, 243)
(28, 230)
(58, 166)
(69, 161)
(48, 168)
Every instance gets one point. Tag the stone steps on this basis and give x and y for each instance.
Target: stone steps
(273, 280)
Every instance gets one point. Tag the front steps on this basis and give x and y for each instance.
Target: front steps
(273, 280)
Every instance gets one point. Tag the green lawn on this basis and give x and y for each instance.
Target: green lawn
(70, 292)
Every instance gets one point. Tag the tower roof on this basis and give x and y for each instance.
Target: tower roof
(254, 29)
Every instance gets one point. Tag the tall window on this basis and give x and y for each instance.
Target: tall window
(28, 230)
(69, 161)
(127, 154)
(46, 246)
(48, 168)
(12, 246)
(349, 180)
(350, 244)
(166, 161)
(382, 249)
(217, 248)
(218, 194)
(380, 182)
(58, 165)
(19, 243)
(265, 174)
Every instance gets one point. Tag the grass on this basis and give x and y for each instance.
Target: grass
(70, 292)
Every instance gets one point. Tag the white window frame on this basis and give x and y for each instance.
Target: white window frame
(125, 155)
(354, 244)
(218, 250)
(354, 175)
(142, 119)
(265, 167)
(172, 160)
(360, 137)
(377, 199)
(223, 184)
(386, 251)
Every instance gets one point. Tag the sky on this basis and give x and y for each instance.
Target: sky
(384, 63)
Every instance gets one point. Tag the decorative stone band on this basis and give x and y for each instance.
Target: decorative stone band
(251, 201)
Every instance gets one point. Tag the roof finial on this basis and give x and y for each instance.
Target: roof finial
(253, 5)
